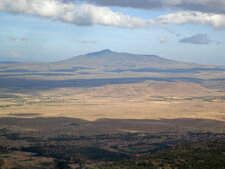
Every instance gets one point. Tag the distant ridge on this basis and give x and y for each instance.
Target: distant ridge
(106, 61)
(149, 88)
(110, 60)
(8, 62)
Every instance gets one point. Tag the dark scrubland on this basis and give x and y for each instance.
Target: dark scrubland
(208, 154)
(75, 143)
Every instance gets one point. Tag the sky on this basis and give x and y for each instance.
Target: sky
(53, 30)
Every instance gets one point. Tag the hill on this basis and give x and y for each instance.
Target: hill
(105, 60)
(110, 60)
(149, 88)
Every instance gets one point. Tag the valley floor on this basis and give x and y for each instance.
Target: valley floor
(98, 126)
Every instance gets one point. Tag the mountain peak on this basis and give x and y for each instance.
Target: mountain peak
(106, 50)
(102, 52)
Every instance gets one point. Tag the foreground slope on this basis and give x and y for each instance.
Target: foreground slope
(193, 155)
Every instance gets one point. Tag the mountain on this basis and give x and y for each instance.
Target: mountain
(110, 61)
(109, 67)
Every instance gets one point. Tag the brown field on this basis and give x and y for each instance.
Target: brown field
(24, 160)
(148, 100)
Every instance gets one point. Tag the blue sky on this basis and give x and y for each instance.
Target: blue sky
(28, 34)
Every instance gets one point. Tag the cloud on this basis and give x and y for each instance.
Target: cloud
(163, 40)
(14, 38)
(197, 39)
(198, 18)
(206, 6)
(88, 42)
(24, 38)
(15, 55)
(81, 15)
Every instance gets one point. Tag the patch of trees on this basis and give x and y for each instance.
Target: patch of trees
(3, 150)
(191, 155)
(68, 138)
(67, 152)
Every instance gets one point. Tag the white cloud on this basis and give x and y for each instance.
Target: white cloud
(88, 42)
(87, 15)
(15, 55)
(163, 40)
(14, 38)
(206, 6)
(24, 39)
(198, 18)
(82, 15)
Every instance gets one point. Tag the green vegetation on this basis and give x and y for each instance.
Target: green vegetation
(192, 155)
(76, 153)
(208, 98)
(142, 148)
(68, 142)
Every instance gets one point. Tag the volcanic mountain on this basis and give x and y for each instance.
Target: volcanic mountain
(110, 60)
(105, 60)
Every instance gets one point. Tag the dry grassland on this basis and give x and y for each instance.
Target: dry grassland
(148, 100)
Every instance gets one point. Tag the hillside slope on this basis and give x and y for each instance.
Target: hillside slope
(149, 88)
(192, 155)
